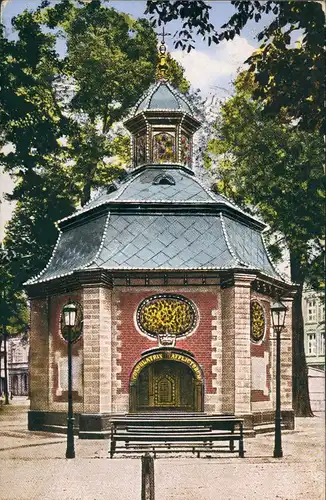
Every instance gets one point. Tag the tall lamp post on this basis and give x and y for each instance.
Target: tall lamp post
(278, 312)
(69, 315)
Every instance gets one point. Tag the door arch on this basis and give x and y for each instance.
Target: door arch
(166, 384)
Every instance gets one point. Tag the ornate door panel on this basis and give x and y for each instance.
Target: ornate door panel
(166, 385)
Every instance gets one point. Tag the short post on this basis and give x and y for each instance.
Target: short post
(147, 477)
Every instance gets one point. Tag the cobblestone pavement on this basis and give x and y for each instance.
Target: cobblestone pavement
(33, 467)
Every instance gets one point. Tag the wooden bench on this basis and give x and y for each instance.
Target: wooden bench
(159, 433)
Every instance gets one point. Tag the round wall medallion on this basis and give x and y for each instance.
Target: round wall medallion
(257, 321)
(77, 330)
(167, 315)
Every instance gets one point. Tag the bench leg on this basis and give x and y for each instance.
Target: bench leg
(241, 450)
(231, 446)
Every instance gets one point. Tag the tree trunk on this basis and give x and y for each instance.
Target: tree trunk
(300, 388)
(86, 195)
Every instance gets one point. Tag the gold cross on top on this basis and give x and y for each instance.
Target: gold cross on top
(163, 35)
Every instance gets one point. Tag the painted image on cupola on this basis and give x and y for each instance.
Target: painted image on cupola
(163, 148)
(185, 150)
(140, 149)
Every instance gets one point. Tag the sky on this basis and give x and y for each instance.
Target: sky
(211, 69)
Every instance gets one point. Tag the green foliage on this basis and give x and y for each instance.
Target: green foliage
(175, 75)
(288, 75)
(276, 169)
(14, 314)
(57, 114)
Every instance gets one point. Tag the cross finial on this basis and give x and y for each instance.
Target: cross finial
(163, 35)
(162, 56)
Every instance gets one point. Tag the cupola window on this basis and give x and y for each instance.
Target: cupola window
(140, 149)
(164, 148)
(185, 149)
(164, 179)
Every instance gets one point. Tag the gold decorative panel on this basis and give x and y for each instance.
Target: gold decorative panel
(257, 322)
(166, 314)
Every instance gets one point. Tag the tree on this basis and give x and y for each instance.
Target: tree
(273, 169)
(59, 114)
(14, 316)
(287, 75)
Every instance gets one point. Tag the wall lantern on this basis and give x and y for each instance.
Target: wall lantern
(278, 312)
(69, 314)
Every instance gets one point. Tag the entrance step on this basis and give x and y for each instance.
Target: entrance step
(264, 428)
(57, 429)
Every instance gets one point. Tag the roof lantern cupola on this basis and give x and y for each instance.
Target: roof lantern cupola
(162, 123)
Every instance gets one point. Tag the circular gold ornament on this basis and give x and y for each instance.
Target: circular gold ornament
(76, 330)
(257, 322)
(166, 314)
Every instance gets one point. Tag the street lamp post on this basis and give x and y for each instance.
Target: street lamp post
(278, 312)
(69, 315)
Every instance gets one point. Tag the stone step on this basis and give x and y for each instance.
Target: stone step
(264, 428)
(57, 429)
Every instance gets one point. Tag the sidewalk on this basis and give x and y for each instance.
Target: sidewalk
(33, 467)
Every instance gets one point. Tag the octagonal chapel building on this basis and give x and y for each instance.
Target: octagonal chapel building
(174, 286)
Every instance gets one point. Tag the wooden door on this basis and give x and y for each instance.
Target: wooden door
(166, 385)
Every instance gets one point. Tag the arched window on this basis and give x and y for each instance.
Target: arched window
(163, 147)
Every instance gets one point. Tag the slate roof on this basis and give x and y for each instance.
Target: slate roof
(118, 241)
(142, 187)
(162, 96)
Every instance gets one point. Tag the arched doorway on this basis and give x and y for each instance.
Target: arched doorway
(166, 381)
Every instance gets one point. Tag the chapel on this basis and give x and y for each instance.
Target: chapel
(173, 284)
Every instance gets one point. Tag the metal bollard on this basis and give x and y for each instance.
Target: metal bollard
(147, 477)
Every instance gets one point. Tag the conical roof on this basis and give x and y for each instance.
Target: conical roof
(162, 96)
(158, 219)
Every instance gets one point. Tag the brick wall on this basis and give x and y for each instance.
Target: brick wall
(97, 349)
(228, 325)
(261, 355)
(242, 357)
(236, 356)
(129, 343)
(58, 393)
(39, 355)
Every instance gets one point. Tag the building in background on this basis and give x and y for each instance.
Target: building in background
(314, 327)
(17, 365)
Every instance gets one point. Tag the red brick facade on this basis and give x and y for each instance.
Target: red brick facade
(260, 350)
(59, 345)
(133, 343)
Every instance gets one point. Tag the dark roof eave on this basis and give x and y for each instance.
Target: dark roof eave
(175, 207)
(79, 277)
